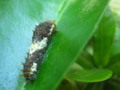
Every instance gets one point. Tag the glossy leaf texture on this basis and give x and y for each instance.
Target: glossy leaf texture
(93, 75)
(76, 21)
(103, 39)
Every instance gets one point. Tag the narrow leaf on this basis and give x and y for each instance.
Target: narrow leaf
(103, 40)
(85, 62)
(116, 44)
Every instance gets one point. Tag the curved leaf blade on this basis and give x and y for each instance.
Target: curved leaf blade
(95, 75)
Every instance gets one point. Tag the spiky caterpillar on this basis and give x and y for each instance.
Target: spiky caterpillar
(40, 39)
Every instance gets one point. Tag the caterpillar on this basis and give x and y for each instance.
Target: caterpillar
(40, 41)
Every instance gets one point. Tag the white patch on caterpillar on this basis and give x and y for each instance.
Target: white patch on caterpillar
(38, 45)
(51, 29)
(33, 68)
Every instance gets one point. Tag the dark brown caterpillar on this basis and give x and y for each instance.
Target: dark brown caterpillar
(40, 39)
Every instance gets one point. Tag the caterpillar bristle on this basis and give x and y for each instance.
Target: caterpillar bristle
(21, 75)
(54, 30)
(23, 63)
(22, 70)
(27, 66)
(26, 72)
(29, 70)
(26, 59)
(27, 53)
(53, 22)
(30, 63)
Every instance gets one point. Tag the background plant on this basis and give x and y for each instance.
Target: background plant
(87, 40)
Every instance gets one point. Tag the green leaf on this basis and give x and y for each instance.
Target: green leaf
(76, 21)
(116, 44)
(86, 59)
(114, 59)
(85, 62)
(74, 68)
(115, 67)
(114, 64)
(103, 40)
(94, 75)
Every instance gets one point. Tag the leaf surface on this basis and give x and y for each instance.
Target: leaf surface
(103, 39)
(95, 75)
